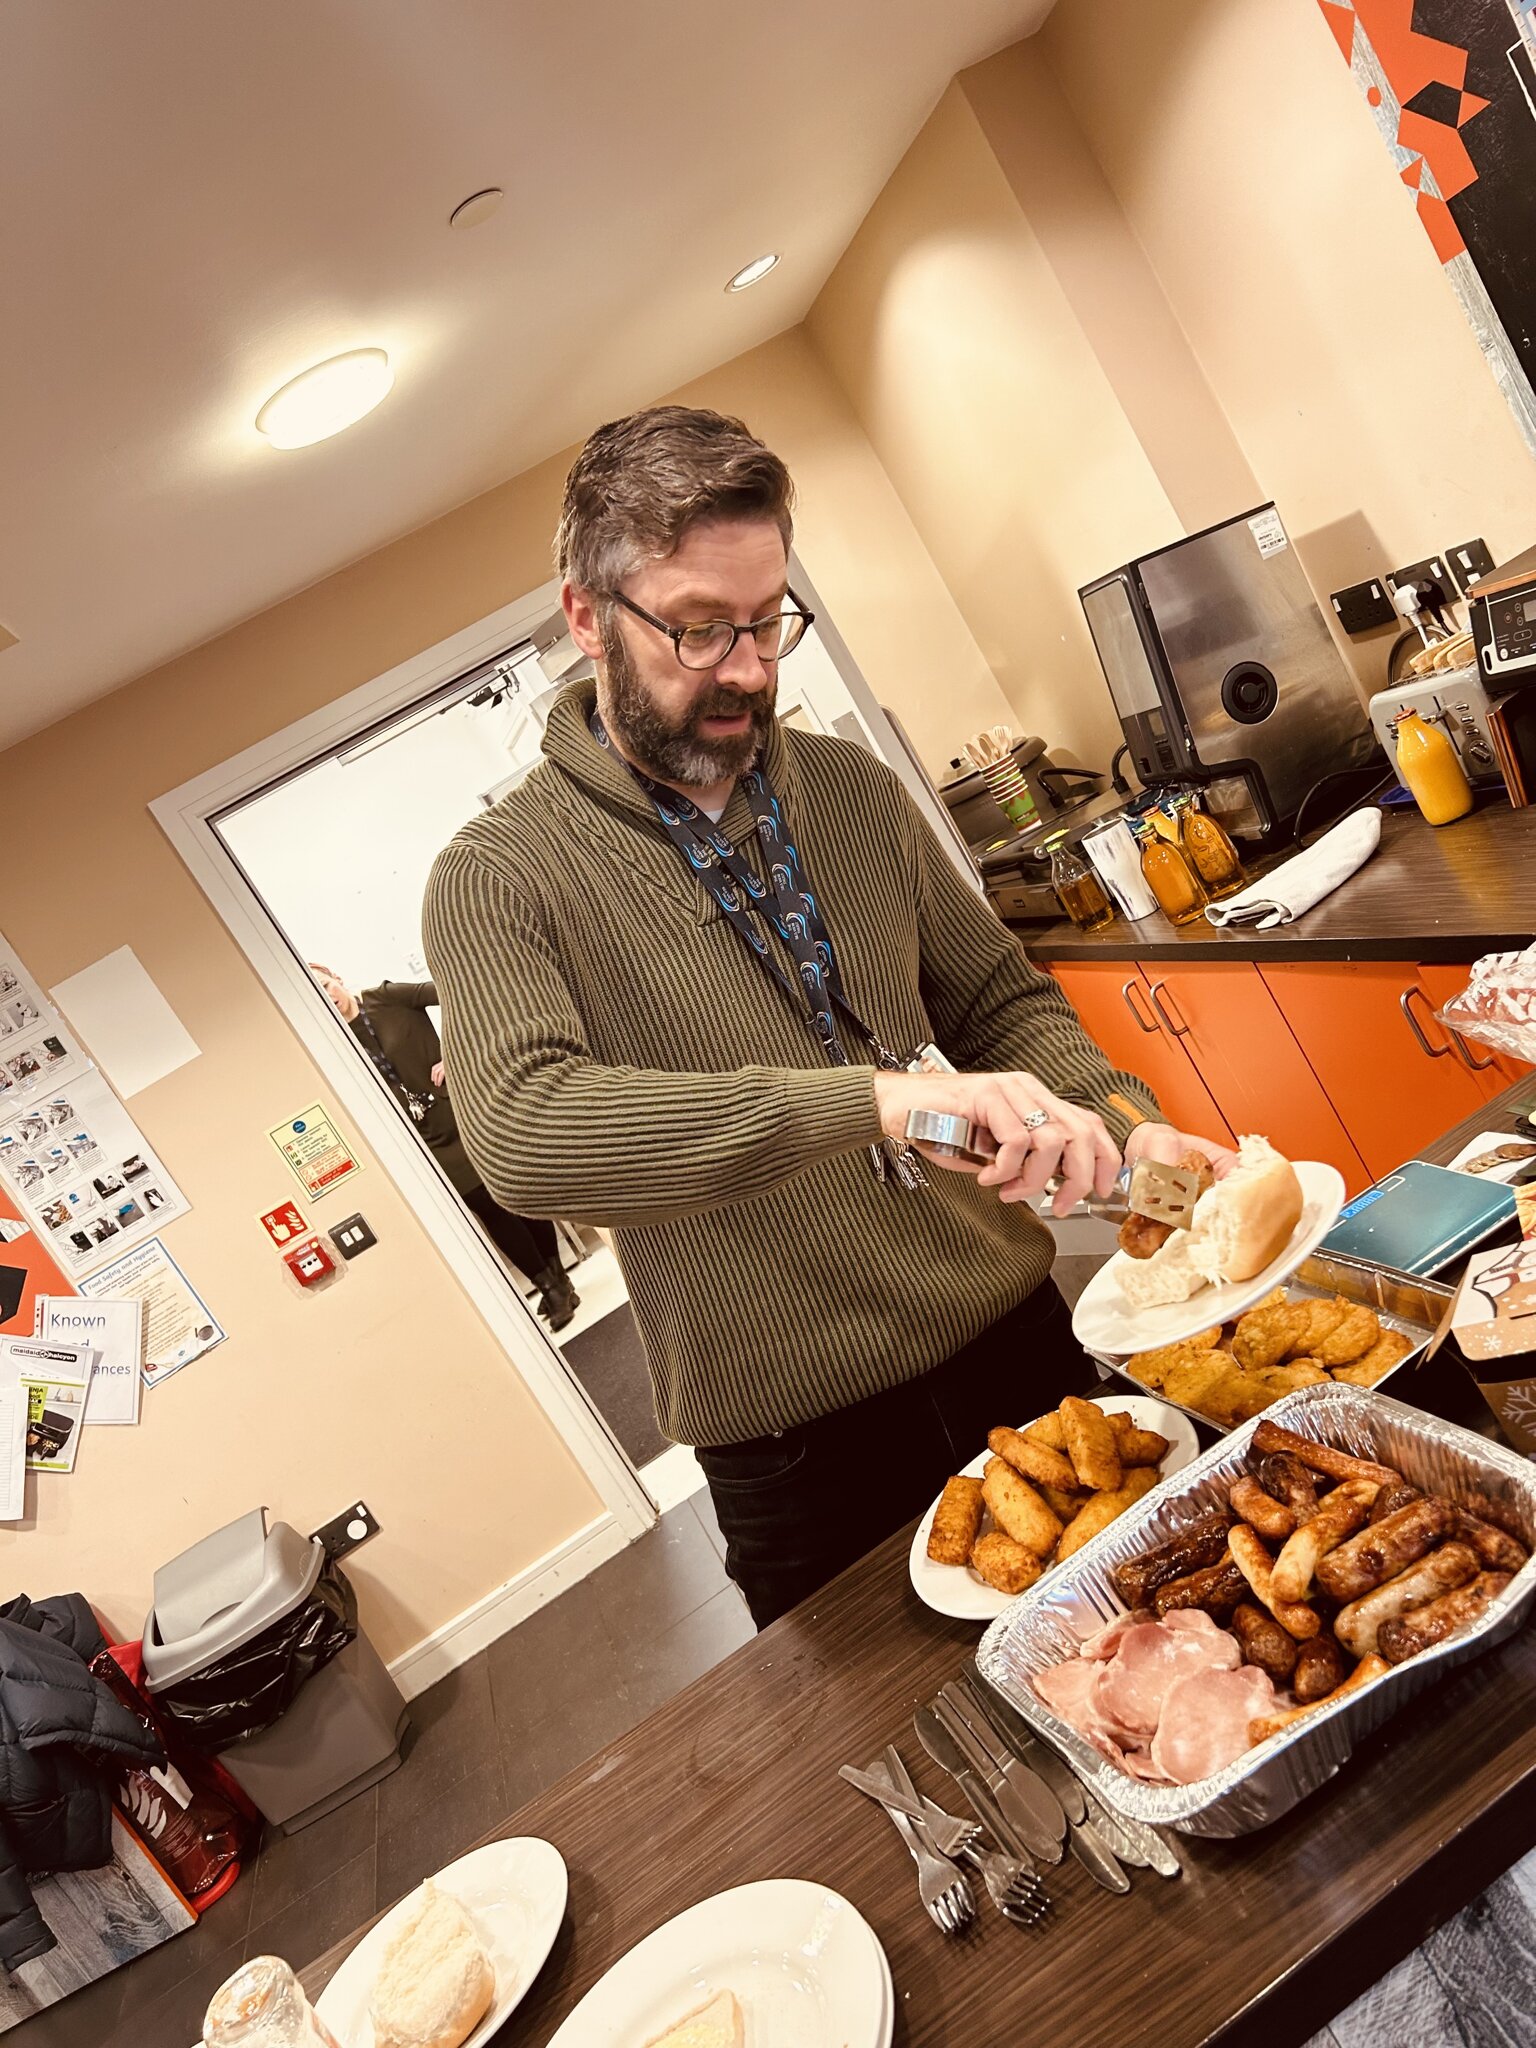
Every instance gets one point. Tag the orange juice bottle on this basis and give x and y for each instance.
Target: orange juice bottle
(1431, 770)
(1180, 893)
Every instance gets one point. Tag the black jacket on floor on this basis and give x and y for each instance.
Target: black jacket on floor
(63, 1738)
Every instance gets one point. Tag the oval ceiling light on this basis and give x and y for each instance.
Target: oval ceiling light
(750, 273)
(322, 401)
(477, 207)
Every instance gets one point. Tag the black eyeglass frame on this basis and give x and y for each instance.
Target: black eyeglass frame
(677, 634)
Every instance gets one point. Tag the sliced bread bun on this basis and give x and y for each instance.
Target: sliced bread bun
(716, 2024)
(1238, 1227)
(1246, 1220)
(435, 1983)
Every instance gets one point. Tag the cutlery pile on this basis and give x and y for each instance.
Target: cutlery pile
(1024, 1797)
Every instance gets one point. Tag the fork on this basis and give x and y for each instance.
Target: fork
(1013, 1886)
(944, 1890)
(946, 1833)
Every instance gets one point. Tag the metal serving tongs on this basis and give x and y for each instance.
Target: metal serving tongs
(1167, 1194)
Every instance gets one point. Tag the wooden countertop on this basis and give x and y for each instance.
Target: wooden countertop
(1428, 893)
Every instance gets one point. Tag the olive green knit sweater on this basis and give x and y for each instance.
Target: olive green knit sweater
(615, 1054)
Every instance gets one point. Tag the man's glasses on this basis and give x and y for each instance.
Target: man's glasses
(712, 641)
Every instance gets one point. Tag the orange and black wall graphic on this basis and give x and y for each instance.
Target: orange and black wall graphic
(1452, 85)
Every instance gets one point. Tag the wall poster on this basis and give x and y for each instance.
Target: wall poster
(1452, 84)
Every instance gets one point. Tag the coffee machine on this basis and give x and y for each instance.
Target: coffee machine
(1225, 675)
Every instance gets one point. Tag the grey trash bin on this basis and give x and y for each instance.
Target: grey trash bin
(343, 1730)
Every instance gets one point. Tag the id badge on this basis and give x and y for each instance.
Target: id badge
(929, 1060)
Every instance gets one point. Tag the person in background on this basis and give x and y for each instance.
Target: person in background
(391, 1024)
(684, 968)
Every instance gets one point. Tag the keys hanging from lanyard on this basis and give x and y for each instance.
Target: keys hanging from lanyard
(786, 900)
(417, 1105)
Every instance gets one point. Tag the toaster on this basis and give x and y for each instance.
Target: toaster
(1458, 702)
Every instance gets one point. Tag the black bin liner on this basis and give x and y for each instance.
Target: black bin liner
(246, 1692)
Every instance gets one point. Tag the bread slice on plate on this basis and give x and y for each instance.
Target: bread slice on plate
(435, 1984)
(715, 2024)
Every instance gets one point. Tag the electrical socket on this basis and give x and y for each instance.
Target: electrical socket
(1468, 560)
(344, 1532)
(1430, 571)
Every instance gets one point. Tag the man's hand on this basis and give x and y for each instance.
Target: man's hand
(1037, 1136)
(438, 1075)
(1161, 1142)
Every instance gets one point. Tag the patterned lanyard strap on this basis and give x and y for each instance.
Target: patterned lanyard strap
(785, 899)
(415, 1102)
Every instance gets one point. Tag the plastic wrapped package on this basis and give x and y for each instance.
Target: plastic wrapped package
(246, 1691)
(1497, 1007)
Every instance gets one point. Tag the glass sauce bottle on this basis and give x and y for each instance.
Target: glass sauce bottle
(263, 2006)
(1180, 893)
(1208, 849)
(1431, 770)
(1078, 889)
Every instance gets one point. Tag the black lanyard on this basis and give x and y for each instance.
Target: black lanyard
(416, 1103)
(786, 900)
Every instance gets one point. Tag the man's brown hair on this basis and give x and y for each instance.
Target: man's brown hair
(641, 482)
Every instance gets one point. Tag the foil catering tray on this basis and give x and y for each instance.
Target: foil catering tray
(1404, 1302)
(1046, 1623)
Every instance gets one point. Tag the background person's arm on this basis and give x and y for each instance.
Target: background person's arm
(554, 1132)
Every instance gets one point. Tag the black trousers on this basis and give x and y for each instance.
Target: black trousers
(797, 1508)
(528, 1241)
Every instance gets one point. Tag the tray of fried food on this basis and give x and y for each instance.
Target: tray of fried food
(1348, 1549)
(1339, 1319)
(1040, 1493)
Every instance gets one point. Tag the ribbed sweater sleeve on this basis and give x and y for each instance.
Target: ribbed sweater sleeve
(554, 1132)
(994, 1011)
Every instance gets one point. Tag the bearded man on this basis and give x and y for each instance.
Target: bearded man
(684, 968)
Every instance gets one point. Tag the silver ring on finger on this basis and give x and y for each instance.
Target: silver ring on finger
(1037, 1119)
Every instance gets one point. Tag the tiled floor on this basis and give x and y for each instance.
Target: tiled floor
(499, 1729)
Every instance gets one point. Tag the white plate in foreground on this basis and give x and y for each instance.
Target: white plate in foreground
(954, 1589)
(514, 1892)
(804, 1963)
(1105, 1321)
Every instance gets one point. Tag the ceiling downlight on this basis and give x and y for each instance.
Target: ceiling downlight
(326, 398)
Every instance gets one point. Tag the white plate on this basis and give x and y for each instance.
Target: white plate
(514, 1892)
(804, 1963)
(954, 1589)
(1105, 1321)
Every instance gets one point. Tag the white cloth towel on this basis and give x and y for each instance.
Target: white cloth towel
(1290, 890)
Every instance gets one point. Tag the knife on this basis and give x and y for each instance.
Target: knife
(1132, 1840)
(1033, 1791)
(1024, 1824)
(1020, 1738)
(949, 1756)
(885, 1793)
(1091, 1850)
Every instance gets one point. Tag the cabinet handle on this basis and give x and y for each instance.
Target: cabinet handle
(1405, 1004)
(1130, 1004)
(1178, 1030)
(1465, 1052)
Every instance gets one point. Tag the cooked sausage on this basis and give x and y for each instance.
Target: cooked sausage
(1437, 1619)
(1271, 1724)
(1341, 1514)
(1253, 1561)
(1391, 1498)
(1264, 1642)
(1141, 1236)
(1497, 1551)
(1289, 1480)
(1501, 1513)
(1203, 1543)
(1321, 1668)
(1217, 1589)
(1441, 1572)
(1269, 1436)
(1271, 1517)
(1379, 1553)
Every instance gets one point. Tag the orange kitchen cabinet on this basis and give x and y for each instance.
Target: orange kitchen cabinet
(1230, 1025)
(1369, 1033)
(1111, 999)
(1493, 1071)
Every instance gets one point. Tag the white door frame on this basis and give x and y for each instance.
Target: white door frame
(184, 815)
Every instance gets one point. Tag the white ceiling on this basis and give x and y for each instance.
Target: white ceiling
(200, 197)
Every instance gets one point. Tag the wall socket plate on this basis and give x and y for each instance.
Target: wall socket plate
(1364, 606)
(1431, 570)
(1468, 560)
(344, 1532)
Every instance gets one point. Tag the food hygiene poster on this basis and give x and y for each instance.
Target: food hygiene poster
(178, 1324)
(73, 1163)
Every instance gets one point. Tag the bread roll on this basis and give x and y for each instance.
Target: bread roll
(435, 1984)
(1239, 1226)
(716, 2024)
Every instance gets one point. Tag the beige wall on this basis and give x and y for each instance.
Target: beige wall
(1251, 173)
(949, 330)
(314, 1401)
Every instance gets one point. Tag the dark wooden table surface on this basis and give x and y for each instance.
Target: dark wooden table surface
(1427, 893)
(1260, 1942)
